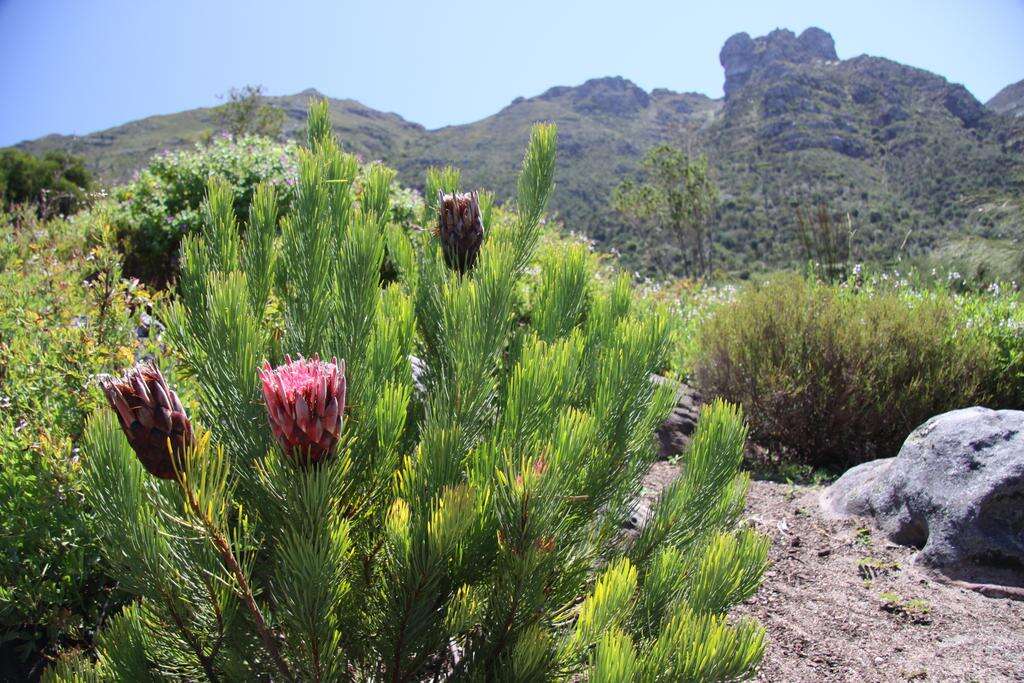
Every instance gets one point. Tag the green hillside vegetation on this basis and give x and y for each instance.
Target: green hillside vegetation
(978, 259)
(115, 154)
(914, 160)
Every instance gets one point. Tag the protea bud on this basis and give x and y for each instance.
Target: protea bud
(460, 229)
(305, 403)
(152, 417)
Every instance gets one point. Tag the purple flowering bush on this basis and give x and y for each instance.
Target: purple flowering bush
(162, 203)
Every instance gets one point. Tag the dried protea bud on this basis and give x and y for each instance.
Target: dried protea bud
(460, 229)
(152, 418)
(305, 402)
(546, 544)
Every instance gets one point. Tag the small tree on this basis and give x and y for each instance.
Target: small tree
(825, 241)
(247, 112)
(677, 198)
(462, 525)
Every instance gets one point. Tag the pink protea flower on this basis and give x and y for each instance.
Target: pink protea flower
(152, 417)
(305, 403)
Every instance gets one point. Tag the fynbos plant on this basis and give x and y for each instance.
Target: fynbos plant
(305, 402)
(152, 418)
(460, 229)
(469, 527)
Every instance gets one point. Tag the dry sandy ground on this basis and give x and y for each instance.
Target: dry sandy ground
(842, 603)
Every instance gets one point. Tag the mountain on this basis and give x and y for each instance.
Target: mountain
(1009, 100)
(116, 152)
(913, 160)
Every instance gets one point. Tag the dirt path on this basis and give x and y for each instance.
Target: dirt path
(842, 603)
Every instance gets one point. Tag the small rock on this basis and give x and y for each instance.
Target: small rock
(675, 432)
(419, 369)
(148, 325)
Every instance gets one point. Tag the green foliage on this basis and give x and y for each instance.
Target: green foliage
(445, 179)
(997, 317)
(163, 203)
(469, 525)
(677, 198)
(56, 182)
(247, 112)
(65, 315)
(832, 375)
(976, 262)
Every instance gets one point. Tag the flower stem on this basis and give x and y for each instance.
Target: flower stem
(245, 591)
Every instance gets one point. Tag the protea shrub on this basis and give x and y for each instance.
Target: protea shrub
(470, 526)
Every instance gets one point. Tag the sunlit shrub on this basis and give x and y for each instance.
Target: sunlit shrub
(997, 316)
(65, 315)
(162, 203)
(832, 375)
(344, 519)
(55, 183)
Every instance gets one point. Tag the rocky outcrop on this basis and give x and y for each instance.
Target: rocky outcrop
(615, 96)
(876, 138)
(961, 104)
(1009, 100)
(742, 56)
(955, 490)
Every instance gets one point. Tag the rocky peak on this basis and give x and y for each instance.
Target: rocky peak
(742, 55)
(609, 95)
(1009, 100)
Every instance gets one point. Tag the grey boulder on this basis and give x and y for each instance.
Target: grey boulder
(955, 490)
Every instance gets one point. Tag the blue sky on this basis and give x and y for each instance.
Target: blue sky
(75, 66)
